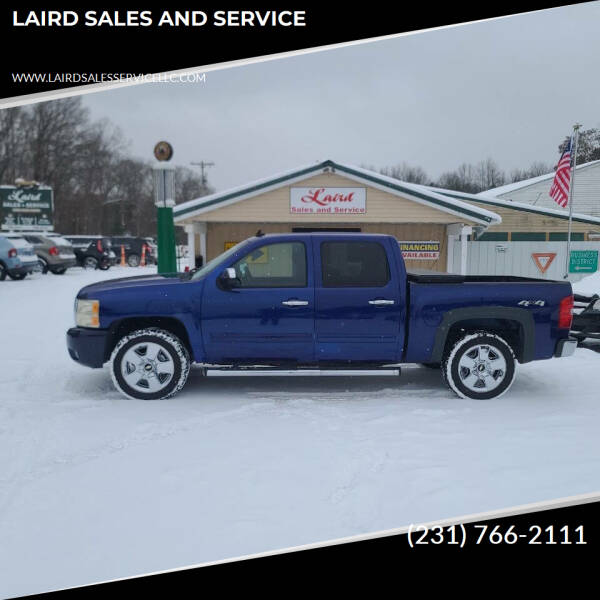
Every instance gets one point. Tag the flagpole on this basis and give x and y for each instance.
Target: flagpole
(575, 141)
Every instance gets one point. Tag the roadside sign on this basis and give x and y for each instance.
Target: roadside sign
(27, 208)
(543, 260)
(583, 261)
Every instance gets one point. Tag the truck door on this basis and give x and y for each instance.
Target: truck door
(268, 317)
(359, 303)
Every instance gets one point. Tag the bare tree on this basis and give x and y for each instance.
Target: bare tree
(11, 143)
(406, 172)
(535, 170)
(97, 187)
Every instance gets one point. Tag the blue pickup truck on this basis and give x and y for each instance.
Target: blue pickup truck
(318, 300)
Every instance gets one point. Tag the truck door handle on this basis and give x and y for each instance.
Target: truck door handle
(381, 302)
(295, 302)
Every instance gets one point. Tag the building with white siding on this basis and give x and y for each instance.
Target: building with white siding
(536, 190)
(434, 227)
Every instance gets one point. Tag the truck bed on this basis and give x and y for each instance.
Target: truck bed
(424, 276)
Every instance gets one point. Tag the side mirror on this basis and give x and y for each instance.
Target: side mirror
(229, 279)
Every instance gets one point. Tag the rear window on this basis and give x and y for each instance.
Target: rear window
(80, 242)
(58, 240)
(354, 264)
(18, 242)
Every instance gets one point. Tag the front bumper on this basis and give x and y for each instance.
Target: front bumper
(565, 347)
(88, 346)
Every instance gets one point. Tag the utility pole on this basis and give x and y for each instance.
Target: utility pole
(203, 166)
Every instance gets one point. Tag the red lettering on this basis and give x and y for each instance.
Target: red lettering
(315, 197)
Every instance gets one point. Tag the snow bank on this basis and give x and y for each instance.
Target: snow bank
(588, 286)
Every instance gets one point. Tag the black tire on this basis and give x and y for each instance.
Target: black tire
(17, 276)
(60, 271)
(133, 260)
(431, 365)
(104, 264)
(90, 262)
(479, 366)
(44, 263)
(129, 359)
(2, 271)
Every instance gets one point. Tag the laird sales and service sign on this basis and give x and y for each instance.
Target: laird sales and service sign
(26, 208)
(328, 200)
(418, 250)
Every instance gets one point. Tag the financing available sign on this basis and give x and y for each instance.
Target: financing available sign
(420, 250)
(328, 200)
(26, 208)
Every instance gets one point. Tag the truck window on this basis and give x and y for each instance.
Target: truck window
(273, 265)
(354, 264)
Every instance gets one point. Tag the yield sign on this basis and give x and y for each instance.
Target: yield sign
(543, 260)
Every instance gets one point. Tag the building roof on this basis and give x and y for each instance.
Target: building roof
(485, 198)
(416, 193)
(518, 185)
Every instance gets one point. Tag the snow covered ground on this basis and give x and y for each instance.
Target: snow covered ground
(94, 486)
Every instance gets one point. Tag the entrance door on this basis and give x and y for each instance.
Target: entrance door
(358, 302)
(268, 318)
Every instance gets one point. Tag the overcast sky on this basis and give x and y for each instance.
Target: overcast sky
(510, 89)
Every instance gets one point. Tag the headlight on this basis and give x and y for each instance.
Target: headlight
(87, 313)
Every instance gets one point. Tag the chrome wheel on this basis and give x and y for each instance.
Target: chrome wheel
(147, 367)
(480, 365)
(482, 368)
(149, 364)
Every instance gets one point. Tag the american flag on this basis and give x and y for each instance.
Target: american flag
(559, 191)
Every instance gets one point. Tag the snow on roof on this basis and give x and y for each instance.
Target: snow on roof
(517, 185)
(485, 198)
(417, 193)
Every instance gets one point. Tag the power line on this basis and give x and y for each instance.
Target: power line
(203, 166)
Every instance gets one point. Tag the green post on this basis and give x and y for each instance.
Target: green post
(164, 197)
(167, 259)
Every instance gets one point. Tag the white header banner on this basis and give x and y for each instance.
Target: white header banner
(328, 200)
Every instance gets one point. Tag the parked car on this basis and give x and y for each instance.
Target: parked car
(320, 300)
(54, 253)
(133, 247)
(17, 257)
(91, 251)
(153, 246)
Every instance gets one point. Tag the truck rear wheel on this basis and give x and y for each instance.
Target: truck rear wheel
(479, 366)
(149, 364)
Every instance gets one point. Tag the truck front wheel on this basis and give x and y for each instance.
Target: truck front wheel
(479, 366)
(149, 364)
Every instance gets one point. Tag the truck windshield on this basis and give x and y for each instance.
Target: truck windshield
(215, 262)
